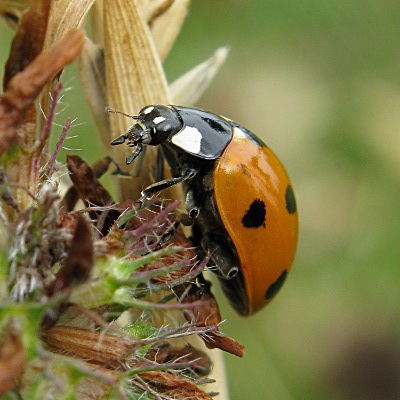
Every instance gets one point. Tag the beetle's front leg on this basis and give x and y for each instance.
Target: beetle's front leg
(188, 173)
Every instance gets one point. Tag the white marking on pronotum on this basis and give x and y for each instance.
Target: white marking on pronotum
(188, 139)
(148, 110)
(158, 120)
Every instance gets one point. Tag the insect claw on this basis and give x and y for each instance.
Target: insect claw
(143, 198)
(119, 140)
(138, 150)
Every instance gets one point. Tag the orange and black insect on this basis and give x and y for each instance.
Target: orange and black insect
(238, 197)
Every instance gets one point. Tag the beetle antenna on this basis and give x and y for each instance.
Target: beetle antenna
(114, 111)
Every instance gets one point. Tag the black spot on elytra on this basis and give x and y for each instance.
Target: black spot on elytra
(276, 286)
(290, 200)
(255, 215)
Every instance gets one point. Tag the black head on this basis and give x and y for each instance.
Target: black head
(155, 124)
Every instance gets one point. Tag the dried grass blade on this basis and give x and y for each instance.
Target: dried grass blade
(134, 74)
(92, 72)
(64, 16)
(166, 26)
(189, 87)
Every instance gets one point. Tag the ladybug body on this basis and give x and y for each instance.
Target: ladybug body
(238, 197)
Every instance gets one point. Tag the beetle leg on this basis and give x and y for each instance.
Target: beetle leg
(166, 183)
(159, 172)
(221, 255)
(181, 219)
(139, 161)
(192, 207)
(167, 235)
(118, 170)
(119, 140)
(138, 150)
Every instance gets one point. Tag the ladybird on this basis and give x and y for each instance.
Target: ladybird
(238, 197)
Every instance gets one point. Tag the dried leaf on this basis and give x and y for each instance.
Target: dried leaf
(28, 42)
(225, 343)
(26, 86)
(135, 77)
(92, 346)
(90, 190)
(75, 269)
(93, 77)
(177, 387)
(71, 197)
(199, 361)
(207, 314)
(166, 25)
(151, 9)
(20, 120)
(79, 260)
(188, 88)
(64, 16)
(11, 12)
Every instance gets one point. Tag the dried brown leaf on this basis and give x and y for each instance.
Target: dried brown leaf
(199, 361)
(29, 39)
(26, 46)
(75, 269)
(26, 86)
(71, 197)
(79, 260)
(206, 313)
(225, 343)
(92, 346)
(175, 386)
(90, 190)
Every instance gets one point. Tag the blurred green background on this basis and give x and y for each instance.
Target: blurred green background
(319, 82)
